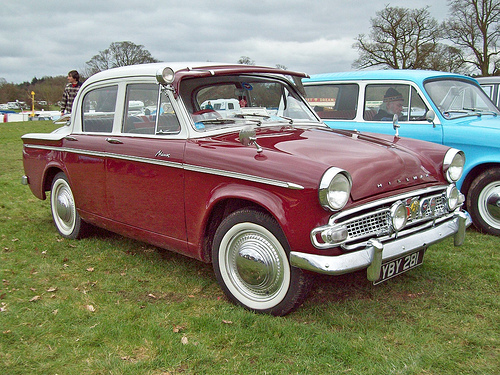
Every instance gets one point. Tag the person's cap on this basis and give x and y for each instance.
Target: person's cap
(392, 95)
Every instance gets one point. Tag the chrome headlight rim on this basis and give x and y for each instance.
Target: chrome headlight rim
(453, 165)
(399, 216)
(454, 198)
(335, 189)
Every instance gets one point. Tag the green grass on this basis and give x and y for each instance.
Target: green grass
(110, 305)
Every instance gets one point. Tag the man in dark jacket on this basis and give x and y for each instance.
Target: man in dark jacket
(392, 105)
(70, 91)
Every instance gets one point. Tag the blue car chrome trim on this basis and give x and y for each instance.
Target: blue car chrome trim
(187, 167)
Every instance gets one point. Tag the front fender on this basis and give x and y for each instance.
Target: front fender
(294, 210)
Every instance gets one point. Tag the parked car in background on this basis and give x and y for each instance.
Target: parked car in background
(267, 194)
(444, 108)
(491, 87)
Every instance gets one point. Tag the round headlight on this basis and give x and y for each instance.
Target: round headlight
(453, 164)
(399, 216)
(453, 197)
(335, 189)
(165, 76)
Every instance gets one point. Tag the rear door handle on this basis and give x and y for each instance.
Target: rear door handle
(114, 141)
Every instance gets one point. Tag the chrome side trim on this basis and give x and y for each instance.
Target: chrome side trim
(242, 176)
(187, 167)
(350, 262)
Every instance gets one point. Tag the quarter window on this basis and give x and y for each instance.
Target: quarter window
(168, 122)
(99, 110)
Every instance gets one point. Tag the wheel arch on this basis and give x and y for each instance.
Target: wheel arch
(472, 175)
(44, 183)
(225, 205)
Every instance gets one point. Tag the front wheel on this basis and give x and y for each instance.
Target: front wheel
(483, 202)
(62, 203)
(250, 260)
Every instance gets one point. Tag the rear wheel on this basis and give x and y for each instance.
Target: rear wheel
(250, 259)
(62, 203)
(483, 202)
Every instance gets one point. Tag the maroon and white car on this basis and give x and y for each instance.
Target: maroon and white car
(265, 192)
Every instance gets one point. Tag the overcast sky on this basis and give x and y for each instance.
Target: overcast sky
(52, 37)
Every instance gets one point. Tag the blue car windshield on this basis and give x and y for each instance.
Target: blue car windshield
(458, 98)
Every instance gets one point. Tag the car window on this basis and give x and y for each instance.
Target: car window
(459, 98)
(140, 108)
(334, 101)
(488, 89)
(383, 101)
(168, 122)
(417, 109)
(234, 101)
(99, 109)
(144, 116)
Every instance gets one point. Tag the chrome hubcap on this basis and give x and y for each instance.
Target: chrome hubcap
(493, 204)
(63, 206)
(257, 264)
(489, 204)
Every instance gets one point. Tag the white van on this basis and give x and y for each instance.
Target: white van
(226, 107)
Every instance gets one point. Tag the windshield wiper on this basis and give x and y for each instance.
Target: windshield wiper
(243, 115)
(464, 112)
(217, 121)
(480, 112)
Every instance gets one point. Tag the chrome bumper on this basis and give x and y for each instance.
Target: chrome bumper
(375, 252)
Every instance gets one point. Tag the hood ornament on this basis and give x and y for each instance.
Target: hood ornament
(248, 137)
(395, 125)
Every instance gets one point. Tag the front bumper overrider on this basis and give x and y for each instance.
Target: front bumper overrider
(375, 252)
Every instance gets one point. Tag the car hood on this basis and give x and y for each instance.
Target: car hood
(301, 155)
(484, 121)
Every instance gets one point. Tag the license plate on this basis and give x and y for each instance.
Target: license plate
(398, 266)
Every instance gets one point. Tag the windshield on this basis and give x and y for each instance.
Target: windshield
(458, 98)
(229, 101)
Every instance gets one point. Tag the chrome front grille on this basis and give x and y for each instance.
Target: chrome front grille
(368, 225)
(373, 220)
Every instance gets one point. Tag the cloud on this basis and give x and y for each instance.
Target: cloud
(50, 38)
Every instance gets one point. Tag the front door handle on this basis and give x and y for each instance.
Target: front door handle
(114, 141)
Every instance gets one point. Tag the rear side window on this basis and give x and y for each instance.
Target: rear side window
(99, 110)
(334, 101)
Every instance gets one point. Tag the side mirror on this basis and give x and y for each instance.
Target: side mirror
(430, 116)
(248, 137)
(395, 124)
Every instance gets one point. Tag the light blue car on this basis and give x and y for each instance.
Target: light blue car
(445, 108)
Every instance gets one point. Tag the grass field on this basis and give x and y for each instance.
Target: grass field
(111, 305)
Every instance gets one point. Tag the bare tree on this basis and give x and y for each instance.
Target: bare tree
(119, 54)
(447, 59)
(400, 38)
(245, 60)
(474, 27)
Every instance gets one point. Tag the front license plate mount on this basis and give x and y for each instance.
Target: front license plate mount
(400, 265)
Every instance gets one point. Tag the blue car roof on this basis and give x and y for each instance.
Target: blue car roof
(418, 76)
